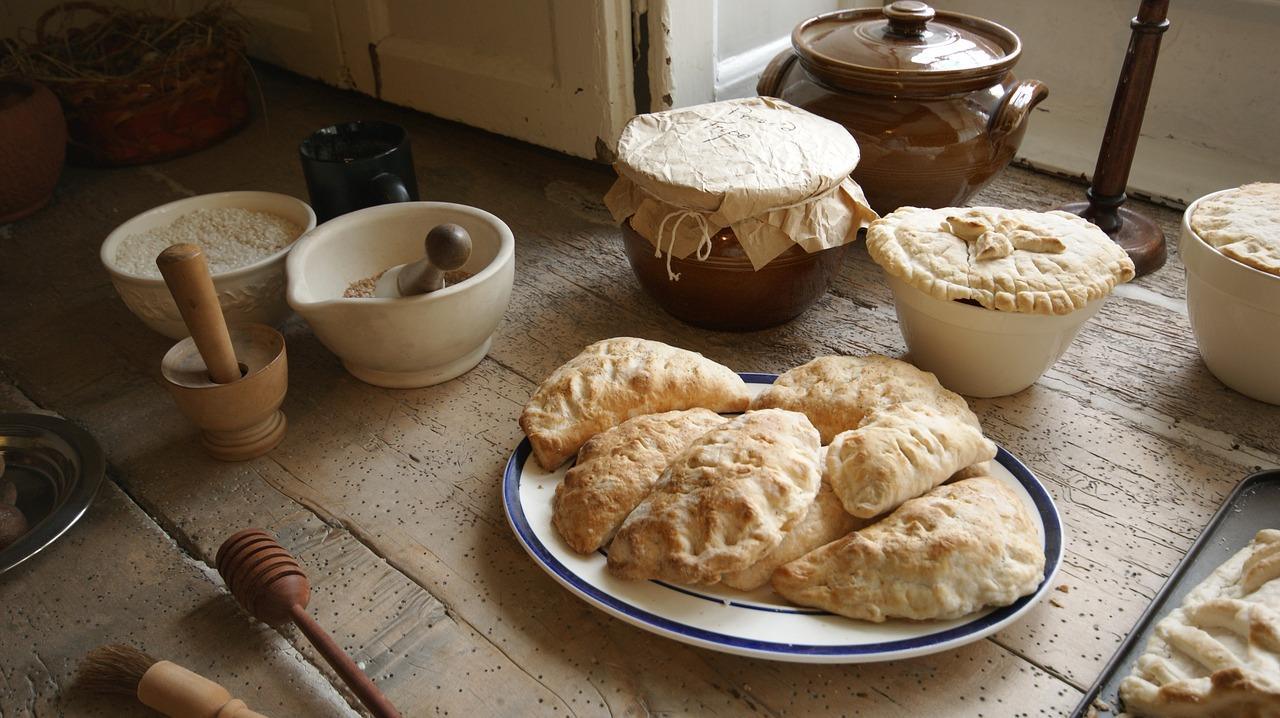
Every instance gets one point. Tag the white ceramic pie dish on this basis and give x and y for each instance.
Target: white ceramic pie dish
(403, 342)
(252, 293)
(1235, 315)
(982, 352)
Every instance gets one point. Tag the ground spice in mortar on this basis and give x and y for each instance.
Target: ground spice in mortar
(363, 288)
(230, 237)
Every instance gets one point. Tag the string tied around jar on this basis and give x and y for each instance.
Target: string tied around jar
(704, 244)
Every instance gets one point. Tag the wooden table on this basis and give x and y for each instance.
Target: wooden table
(391, 498)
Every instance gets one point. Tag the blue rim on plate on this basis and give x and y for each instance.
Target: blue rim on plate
(945, 639)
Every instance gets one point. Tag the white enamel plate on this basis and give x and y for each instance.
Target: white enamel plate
(758, 623)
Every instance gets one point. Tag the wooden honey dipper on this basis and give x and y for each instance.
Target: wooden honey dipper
(268, 583)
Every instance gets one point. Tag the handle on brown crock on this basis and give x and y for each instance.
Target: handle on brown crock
(770, 81)
(1016, 105)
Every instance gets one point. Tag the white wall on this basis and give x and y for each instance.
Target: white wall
(1213, 120)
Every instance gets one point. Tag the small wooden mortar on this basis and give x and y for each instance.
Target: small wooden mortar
(228, 382)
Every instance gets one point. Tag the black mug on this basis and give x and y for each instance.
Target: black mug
(355, 165)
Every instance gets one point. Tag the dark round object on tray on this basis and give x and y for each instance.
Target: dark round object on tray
(12, 525)
(927, 94)
(724, 291)
(33, 142)
(56, 467)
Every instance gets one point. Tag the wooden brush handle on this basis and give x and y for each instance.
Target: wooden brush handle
(180, 693)
(187, 275)
(351, 674)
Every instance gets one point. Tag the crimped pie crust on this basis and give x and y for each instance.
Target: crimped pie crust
(1011, 260)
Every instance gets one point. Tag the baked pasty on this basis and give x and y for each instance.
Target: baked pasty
(957, 549)
(616, 469)
(1218, 654)
(1012, 260)
(1243, 224)
(900, 452)
(616, 379)
(837, 392)
(824, 522)
(724, 502)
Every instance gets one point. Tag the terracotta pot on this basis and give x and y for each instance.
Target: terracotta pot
(33, 143)
(929, 97)
(724, 291)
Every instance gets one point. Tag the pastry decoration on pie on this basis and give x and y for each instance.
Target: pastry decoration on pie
(1218, 654)
(957, 549)
(727, 500)
(617, 468)
(616, 379)
(1012, 260)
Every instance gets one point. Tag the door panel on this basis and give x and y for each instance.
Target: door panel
(301, 35)
(554, 72)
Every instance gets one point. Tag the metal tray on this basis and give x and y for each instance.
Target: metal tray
(57, 467)
(1253, 505)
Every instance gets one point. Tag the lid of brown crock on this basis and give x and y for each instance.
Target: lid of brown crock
(906, 46)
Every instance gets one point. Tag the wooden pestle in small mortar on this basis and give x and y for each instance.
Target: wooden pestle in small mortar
(186, 274)
(448, 247)
(230, 382)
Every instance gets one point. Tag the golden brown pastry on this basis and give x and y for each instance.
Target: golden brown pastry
(837, 392)
(824, 522)
(617, 468)
(724, 502)
(955, 550)
(1012, 260)
(1218, 654)
(616, 379)
(900, 452)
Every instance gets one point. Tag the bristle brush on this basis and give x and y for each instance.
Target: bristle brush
(161, 685)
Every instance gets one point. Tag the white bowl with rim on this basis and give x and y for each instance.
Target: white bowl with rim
(1235, 315)
(253, 293)
(402, 342)
(982, 352)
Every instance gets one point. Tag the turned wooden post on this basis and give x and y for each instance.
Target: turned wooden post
(1140, 237)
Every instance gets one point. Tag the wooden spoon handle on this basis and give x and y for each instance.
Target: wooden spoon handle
(187, 275)
(351, 674)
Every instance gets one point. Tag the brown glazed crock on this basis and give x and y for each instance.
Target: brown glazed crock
(33, 143)
(928, 95)
(724, 291)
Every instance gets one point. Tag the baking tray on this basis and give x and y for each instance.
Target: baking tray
(1253, 505)
(57, 468)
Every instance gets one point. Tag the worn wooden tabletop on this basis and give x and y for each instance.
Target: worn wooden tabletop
(391, 498)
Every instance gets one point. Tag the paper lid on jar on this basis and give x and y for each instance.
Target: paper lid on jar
(777, 174)
(906, 42)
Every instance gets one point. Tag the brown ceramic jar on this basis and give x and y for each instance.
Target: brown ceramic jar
(928, 95)
(724, 291)
(33, 142)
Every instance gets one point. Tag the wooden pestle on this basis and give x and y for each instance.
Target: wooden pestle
(187, 275)
(447, 246)
(268, 582)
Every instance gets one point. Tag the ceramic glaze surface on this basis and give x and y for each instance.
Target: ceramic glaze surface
(982, 352)
(406, 341)
(1235, 315)
(724, 291)
(252, 294)
(33, 141)
(937, 116)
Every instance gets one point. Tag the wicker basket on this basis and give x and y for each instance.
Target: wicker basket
(153, 115)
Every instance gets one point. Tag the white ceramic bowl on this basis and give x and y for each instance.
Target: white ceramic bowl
(252, 293)
(410, 341)
(981, 352)
(1235, 315)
